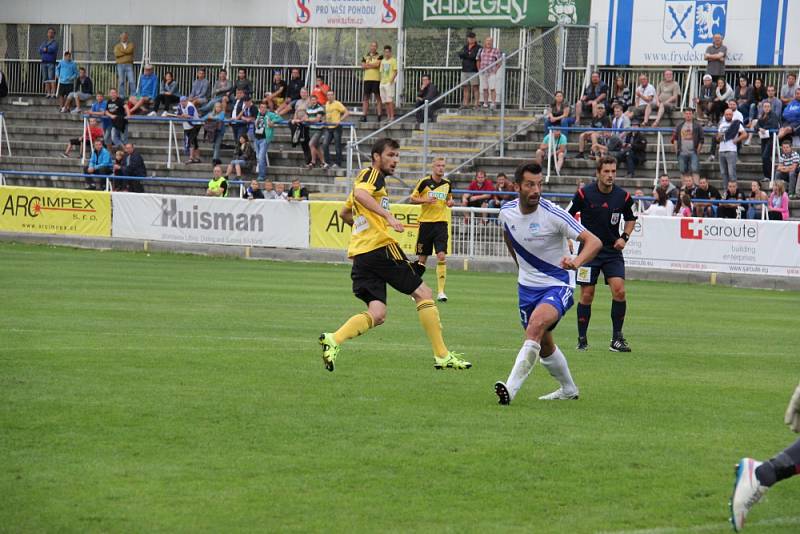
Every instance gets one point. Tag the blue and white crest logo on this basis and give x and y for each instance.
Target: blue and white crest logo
(534, 228)
(694, 22)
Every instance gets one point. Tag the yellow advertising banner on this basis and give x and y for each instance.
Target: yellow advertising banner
(55, 211)
(328, 230)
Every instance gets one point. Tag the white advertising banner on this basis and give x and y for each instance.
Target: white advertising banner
(677, 32)
(217, 221)
(715, 245)
(344, 13)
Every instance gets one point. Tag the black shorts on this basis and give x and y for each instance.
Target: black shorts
(372, 88)
(64, 89)
(376, 268)
(611, 263)
(432, 236)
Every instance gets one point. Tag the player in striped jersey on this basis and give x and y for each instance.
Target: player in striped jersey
(536, 233)
(378, 261)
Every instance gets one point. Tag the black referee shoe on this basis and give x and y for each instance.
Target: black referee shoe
(583, 344)
(619, 345)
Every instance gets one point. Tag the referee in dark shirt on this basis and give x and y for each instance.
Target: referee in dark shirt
(603, 206)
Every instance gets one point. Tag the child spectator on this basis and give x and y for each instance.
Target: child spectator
(778, 208)
(253, 191)
(67, 73)
(280, 193)
(191, 129)
(297, 191)
(98, 110)
(93, 131)
(685, 209)
(116, 111)
(119, 185)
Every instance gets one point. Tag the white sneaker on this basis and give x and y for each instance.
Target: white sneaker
(152, 114)
(442, 297)
(559, 394)
(165, 114)
(76, 110)
(63, 110)
(747, 491)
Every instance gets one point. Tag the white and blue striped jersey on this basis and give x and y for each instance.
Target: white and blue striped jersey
(540, 241)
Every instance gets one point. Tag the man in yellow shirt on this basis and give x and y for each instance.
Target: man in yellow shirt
(434, 194)
(371, 64)
(378, 260)
(123, 55)
(388, 77)
(335, 113)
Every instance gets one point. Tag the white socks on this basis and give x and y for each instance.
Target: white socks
(526, 359)
(556, 365)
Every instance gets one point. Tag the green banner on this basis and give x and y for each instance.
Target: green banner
(494, 13)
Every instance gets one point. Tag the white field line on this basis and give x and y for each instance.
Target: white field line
(711, 527)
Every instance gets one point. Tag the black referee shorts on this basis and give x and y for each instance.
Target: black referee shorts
(376, 268)
(610, 262)
(432, 236)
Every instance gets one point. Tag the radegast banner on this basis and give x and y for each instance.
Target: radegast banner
(677, 32)
(214, 221)
(55, 211)
(344, 13)
(494, 13)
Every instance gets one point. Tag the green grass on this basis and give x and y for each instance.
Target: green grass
(170, 393)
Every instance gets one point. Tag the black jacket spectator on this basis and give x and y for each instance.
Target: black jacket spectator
(133, 165)
(3, 85)
(429, 93)
(469, 58)
(84, 86)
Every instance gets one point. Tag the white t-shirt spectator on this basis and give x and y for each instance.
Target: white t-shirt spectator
(728, 146)
(661, 211)
(191, 111)
(648, 91)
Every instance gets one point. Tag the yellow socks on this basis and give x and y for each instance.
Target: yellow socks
(429, 317)
(441, 275)
(355, 326)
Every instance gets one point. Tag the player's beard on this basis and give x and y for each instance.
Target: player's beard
(532, 201)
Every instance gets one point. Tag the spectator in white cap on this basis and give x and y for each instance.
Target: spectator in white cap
(705, 97)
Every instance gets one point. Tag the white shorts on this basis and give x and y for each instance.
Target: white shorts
(489, 82)
(387, 92)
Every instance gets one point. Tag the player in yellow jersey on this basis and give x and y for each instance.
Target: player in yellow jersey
(378, 260)
(434, 194)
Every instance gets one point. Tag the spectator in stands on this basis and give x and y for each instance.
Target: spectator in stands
(316, 116)
(3, 85)
(759, 94)
(482, 195)
(48, 51)
(668, 96)
(132, 165)
(167, 94)
(119, 184)
(242, 83)
(371, 65)
(662, 207)
(427, 91)
(219, 93)
(737, 116)
(685, 207)
(559, 153)
(67, 73)
(732, 211)
(321, 91)
(335, 113)
(621, 93)
(593, 96)
(269, 190)
(557, 114)
(787, 167)
(645, 100)
(715, 55)
(789, 88)
(730, 134)
(705, 98)
(201, 89)
(688, 142)
(634, 149)
(280, 193)
(147, 92)
(297, 127)
(214, 126)
(297, 191)
(687, 188)
(775, 102)
(469, 56)
(264, 131)
(90, 133)
(388, 81)
(100, 164)
(191, 129)
(244, 157)
(767, 121)
(98, 110)
(84, 89)
(236, 113)
(778, 207)
(116, 111)
(671, 192)
(490, 77)
(124, 51)
(599, 120)
(253, 191)
(722, 95)
(705, 191)
(620, 123)
(754, 211)
(248, 116)
(791, 117)
(744, 99)
(277, 93)
(293, 88)
(218, 185)
(502, 185)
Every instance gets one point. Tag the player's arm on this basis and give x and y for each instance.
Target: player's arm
(792, 417)
(416, 195)
(590, 246)
(346, 214)
(511, 251)
(365, 199)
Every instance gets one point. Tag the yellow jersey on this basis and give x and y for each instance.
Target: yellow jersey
(333, 113)
(372, 74)
(370, 230)
(441, 191)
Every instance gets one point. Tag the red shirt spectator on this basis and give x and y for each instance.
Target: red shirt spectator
(321, 92)
(480, 183)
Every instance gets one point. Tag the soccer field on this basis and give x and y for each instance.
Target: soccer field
(178, 393)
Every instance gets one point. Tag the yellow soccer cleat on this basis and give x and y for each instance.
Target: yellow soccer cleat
(330, 349)
(453, 360)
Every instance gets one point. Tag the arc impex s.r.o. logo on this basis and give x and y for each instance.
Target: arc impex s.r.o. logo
(34, 206)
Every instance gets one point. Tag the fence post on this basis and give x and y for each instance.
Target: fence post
(83, 141)
(549, 152)
(659, 146)
(562, 57)
(425, 136)
(502, 106)
(169, 144)
(774, 154)
(3, 132)
(471, 234)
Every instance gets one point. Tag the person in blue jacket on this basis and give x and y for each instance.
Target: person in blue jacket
(791, 117)
(67, 73)
(101, 163)
(48, 51)
(147, 92)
